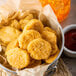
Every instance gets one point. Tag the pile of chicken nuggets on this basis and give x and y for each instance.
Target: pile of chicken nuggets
(28, 43)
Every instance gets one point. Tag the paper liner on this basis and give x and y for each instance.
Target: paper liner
(62, 70)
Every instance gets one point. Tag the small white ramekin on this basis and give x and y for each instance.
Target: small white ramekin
(67, 51)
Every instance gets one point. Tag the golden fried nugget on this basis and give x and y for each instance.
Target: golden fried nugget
(49, 29)
(39, 49)
(8, 34)
(22, 14)
(52, 57)
(26, 37)
(4, 21)
(18, 58)
(34, 24)
(34, 63)
(3, 44)
(29, 17)
(12, 44)
(23, 23)
(54, 49)
(14, 15)
(35, 13)
(15, 24)
(49, 36)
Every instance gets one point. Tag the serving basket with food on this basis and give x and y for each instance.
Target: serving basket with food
(31, 39)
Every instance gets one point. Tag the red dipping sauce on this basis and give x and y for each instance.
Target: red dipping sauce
(70, 39)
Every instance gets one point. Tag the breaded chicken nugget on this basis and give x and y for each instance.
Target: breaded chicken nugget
(49, 29)
(26, 37)
(39, 49)
(18, 58)
(1, 43)
(29, 17)
(54, 49)
(8, 34)
(34, 63)
(15, 24)
(52, 58)
(49, 36)
(34, 24)
(22, 14)
(12, 44)
(23, 23)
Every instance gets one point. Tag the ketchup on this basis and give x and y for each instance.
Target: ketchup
(70, 39)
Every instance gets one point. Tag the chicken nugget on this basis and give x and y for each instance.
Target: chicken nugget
(39, 49)
(1, 43)
(12, 44)
(29, 17)
(52, 58)
(49, 36)
(18, 58)
(23, 23)
(26, 37)
(34, 24)
(54, 49)
(34, 63)
(49, 29)
(22, 14)
(8, 34)
(14, 23)
(14, 15)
